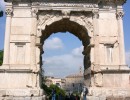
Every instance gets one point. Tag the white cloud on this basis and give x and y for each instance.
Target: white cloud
(2, 4)
(53, 43)
(63, 65)
(78, 51)
(128, 58)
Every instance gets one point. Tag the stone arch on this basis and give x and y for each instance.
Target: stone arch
(77, 27)
(108, 80)
(81, 20)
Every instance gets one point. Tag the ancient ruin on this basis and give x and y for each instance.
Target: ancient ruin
(97, 23)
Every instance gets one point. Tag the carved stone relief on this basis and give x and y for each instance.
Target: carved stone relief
(46, 4)
(34, 12)
(98, 79)
(9, 12)
(120, 14)
(45, 18)
(84, 19)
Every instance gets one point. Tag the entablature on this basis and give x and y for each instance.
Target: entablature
(72, 1)
(68, 5)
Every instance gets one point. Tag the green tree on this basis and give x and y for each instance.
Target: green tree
(58, 89)
(1, 13)
(1, 57)
(48, 90)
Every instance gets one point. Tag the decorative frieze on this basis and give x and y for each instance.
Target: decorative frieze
(86, 5)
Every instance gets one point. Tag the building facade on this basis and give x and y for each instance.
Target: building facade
(74, 83)
(60, 82)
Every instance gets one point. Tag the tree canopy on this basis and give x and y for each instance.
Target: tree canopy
(1, 57)
(48, 90)
(1, 13)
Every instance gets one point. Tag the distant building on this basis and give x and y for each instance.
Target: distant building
(74, 82)
(129, 78)
(71, 83)
(56, 81)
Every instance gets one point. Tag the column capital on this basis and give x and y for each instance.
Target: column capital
(9, 12)
(119, 14)
(34, 12)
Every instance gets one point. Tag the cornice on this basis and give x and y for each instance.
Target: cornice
(72, 1)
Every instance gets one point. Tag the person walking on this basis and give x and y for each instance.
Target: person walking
(53, 94)
(77, 97)
(72, 97)
(85, 92)
(60, 97)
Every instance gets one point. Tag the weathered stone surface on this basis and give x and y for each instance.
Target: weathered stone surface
(98, 79)
(22, 98)
(93, 98)
(2, 93)
(97, 24)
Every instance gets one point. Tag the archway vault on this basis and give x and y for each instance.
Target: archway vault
(65, 25)
(80, 27)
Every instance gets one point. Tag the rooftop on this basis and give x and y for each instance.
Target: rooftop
(74, 75)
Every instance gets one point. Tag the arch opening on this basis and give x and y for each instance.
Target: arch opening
(65, 25)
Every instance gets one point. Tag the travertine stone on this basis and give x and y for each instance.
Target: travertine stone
(121, 37)
(7, 34)
(98, 79)
(97, 23)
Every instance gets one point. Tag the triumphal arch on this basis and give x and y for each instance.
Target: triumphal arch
(97, 23)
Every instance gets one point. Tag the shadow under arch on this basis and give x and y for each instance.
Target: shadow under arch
(65, 25)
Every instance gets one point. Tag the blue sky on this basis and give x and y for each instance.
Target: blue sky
(62, 51)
